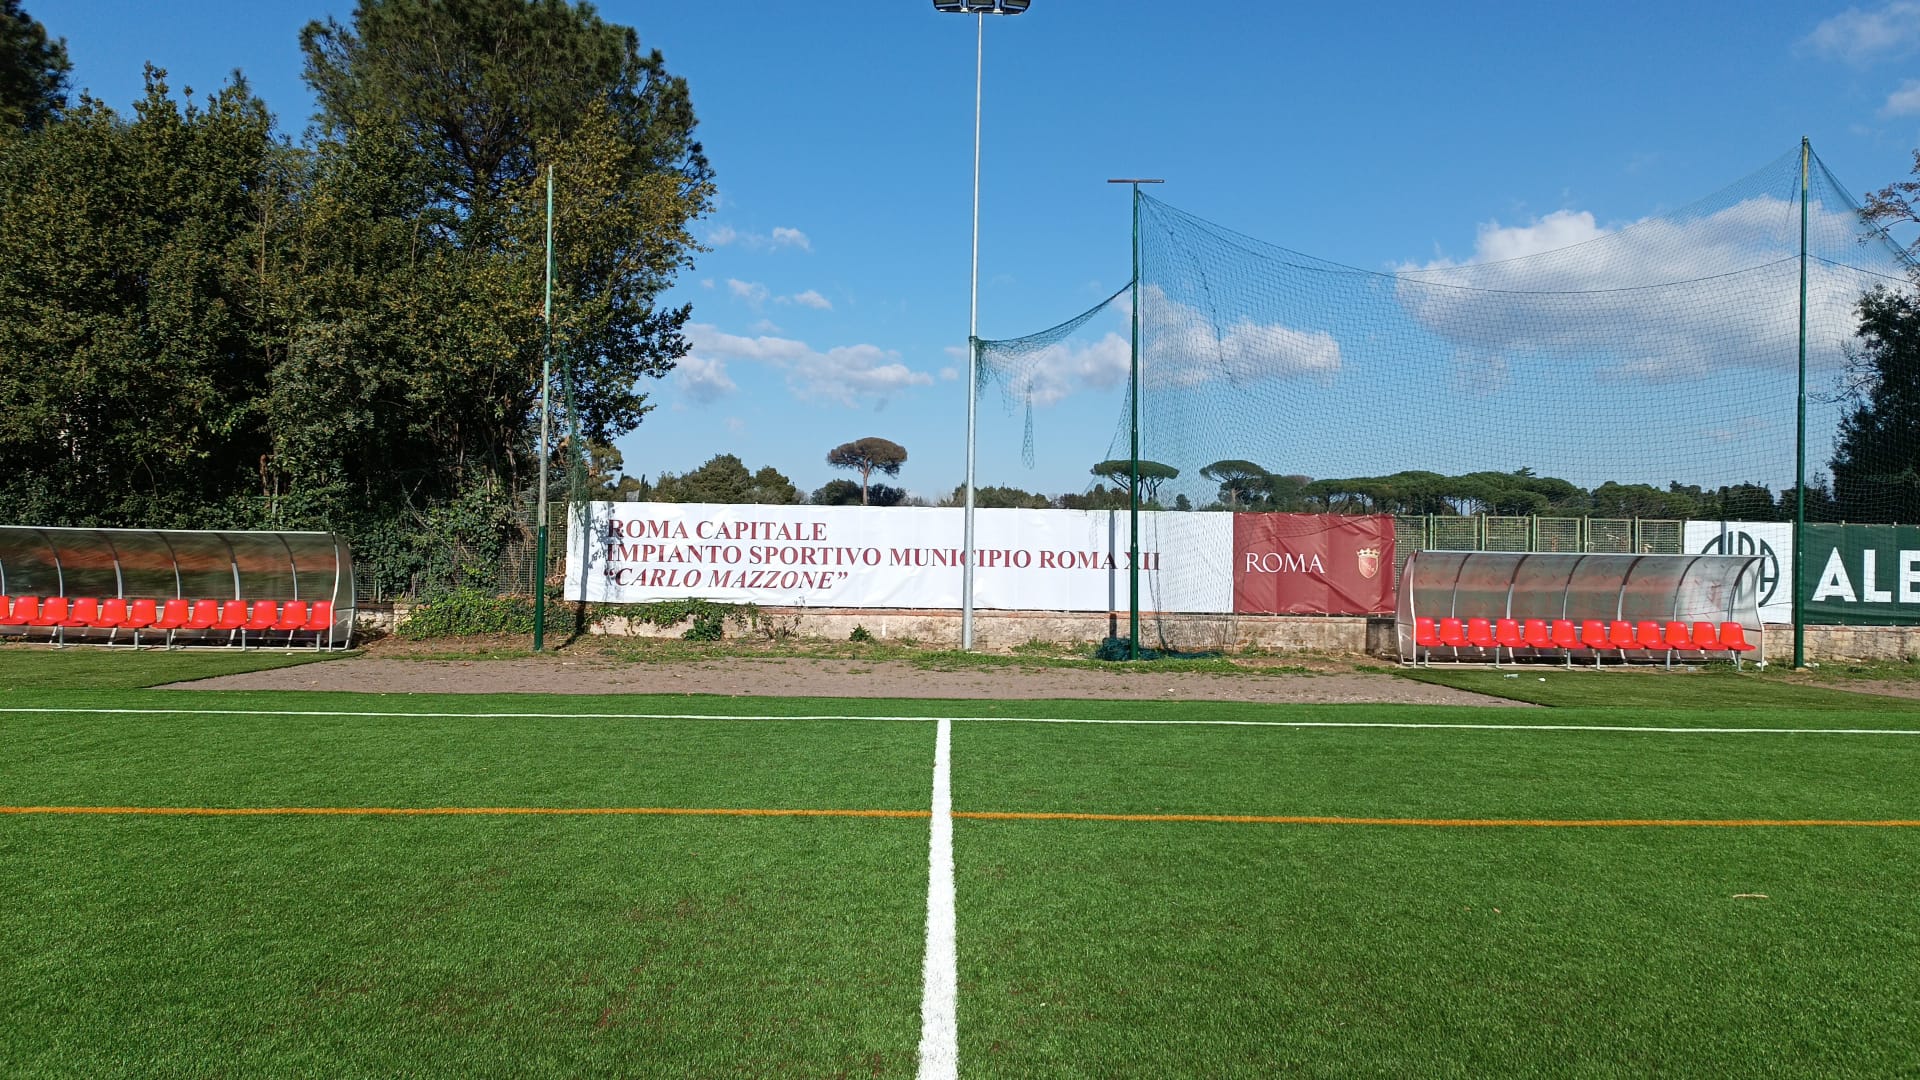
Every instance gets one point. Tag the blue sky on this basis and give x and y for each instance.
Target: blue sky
(833, 304)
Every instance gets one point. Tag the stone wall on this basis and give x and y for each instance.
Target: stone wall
(1000, 630)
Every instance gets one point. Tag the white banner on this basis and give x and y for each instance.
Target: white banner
(896, 557)
(1771, 540)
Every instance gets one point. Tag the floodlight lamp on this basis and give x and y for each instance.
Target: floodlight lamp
(982, 7)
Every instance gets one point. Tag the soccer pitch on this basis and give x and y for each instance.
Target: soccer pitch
(527, 886)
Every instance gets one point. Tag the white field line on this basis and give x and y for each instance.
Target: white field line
(939, 996)
(1392, 725)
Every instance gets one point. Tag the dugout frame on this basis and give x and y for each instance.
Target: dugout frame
(1578, 587)
(192, 564)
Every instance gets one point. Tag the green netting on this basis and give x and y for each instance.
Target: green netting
(1568, 369)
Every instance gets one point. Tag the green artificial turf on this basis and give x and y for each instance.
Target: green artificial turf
(1123, 950)
(1651, 688)
(38, 667)
(214, 759)
(460, 947)
(729, 946)
(1118, 948)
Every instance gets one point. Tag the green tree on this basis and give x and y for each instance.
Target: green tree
(868, 456)
(412, 295)
(724, 479)
(33, 71)
(1241, 482)
(1876, 457)
(994, 497)
(135, 299)
(1152, 475)
(837, 493)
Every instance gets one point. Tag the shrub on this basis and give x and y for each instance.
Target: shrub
(860, 633)
(465, 611)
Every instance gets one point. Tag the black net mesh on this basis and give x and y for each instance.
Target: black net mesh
(1568, 369)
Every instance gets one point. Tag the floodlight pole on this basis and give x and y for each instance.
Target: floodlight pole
(979, 9)
(1800, 437)
(1133, 431)
(546, 375)
(973, 341)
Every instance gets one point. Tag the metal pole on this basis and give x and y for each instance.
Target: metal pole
(1133, 489)
(546, 371)
(973, 343)
(1800, 437)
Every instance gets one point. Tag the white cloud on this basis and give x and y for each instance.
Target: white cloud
(1064, 368)
(845, 374)
(1548, 292)
(1904, 101)
(1193, 351)
(949, 374)
(709, 340)
(752, 292)
(811, 298)
(706, 283)
(765, 326)
(781, 236)
(736, 425)
(1247, 351)
(704, 380)
(958, 352)
(1860, 37)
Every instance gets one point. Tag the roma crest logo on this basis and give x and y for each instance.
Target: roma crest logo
(1369, 562)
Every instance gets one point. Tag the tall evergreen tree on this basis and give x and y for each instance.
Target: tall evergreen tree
(33, 71)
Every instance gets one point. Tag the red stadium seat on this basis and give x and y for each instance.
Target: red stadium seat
(293, 618)
(1593, 636)
(1620, 635)
(173, 615)
(1734, 636)
(233, 615)
(1565, 639)
(320, 622)
(1650, 636)
(6, 609)
(1453, 633)
(1678, 638)
(1506, 635)
(1535, 635)
(264, 614)
(53, 611)
(1480, 633)
(25, 610)
(1706, 638)
(206, 615)
(141, 614)
(112, 610)
(82, 611)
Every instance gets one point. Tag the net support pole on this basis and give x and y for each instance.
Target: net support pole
(1133, 456)
(1800, 437)
(973, 346)
(546, 378)
(1133, 436)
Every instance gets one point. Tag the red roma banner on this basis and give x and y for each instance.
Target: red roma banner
(1312, 564)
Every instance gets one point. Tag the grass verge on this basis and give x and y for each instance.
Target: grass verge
(39, 667)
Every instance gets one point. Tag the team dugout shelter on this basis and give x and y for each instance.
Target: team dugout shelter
(1476, 606)
(176, 587)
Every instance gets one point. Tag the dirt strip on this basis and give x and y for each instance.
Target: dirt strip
(801, 677)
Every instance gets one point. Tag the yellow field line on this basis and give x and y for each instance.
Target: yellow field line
(1538, 823)
(976, 815)
(453, 811)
